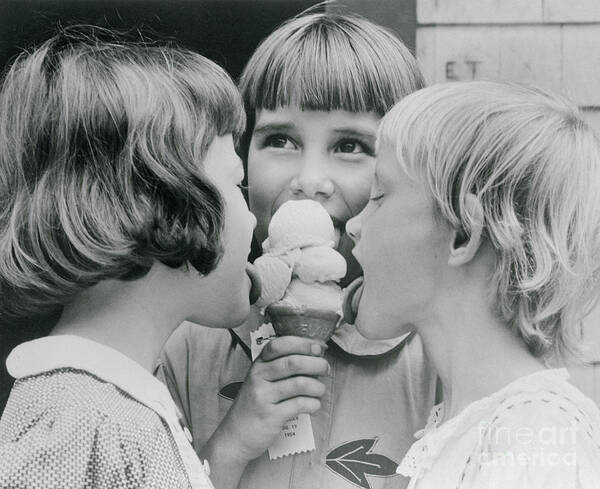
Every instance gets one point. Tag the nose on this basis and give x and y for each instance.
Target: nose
(353, 227)
(312, 180)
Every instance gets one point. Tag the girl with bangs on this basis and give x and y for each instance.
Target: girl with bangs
(122, 216)
(482, 233)
(314, 93)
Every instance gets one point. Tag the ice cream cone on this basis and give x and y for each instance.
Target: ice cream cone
(287, 320)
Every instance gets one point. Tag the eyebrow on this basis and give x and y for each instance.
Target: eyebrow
(273, 127)
(358, 133)
(288, 126)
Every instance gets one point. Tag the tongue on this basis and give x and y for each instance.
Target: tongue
(352, 295)
(255, 288)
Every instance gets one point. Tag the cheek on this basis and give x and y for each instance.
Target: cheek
(355, 186)
(242, 226)
(238, 224)
(265, 183)
(380, 238)
(401, 273)
(400, 249)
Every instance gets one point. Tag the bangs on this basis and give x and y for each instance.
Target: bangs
(327, 62)
(318, 81)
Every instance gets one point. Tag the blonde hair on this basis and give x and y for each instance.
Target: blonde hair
(101, 149)
(534, 165)
(329, 61)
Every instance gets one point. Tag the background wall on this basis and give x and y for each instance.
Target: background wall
(226, 31)
(554, 44)
(397, 15)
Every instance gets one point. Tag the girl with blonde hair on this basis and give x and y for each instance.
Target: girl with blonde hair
(483, 234)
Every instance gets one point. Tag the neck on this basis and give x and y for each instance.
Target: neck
(474, 353)
(130, 317)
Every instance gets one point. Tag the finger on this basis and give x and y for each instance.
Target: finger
(299, 386)
(292, 365)
(298, 405)
(288, 345)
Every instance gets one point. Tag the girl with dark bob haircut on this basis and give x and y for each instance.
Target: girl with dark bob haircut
(121, 214)
(100, 163)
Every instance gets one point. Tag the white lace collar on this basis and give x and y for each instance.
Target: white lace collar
(436, 435)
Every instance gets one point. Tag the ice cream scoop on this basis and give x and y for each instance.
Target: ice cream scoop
(319, 295)
(319, 264)
(275, 275)
(299, 270)
(299, 224)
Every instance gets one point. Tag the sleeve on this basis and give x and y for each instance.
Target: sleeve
(538, 445)
(71, 451)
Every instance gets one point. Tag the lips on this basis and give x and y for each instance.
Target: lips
(351, 299)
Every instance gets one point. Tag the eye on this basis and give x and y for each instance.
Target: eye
(377, 196)
(279, 141)
(353, 147)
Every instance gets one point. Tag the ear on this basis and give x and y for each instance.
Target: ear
(463, 247)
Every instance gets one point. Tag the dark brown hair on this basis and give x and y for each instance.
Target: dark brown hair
(101, 149)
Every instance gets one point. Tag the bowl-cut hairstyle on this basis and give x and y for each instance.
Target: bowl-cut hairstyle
(534, 165)
(101, 150)
(328, 61)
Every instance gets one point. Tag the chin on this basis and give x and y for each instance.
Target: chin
(240, 313)
(369, 326)
(227, 318)
(239, 318)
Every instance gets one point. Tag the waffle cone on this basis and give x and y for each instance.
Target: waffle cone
(317, 324)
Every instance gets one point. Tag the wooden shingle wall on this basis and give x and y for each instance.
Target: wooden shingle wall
(554, 44)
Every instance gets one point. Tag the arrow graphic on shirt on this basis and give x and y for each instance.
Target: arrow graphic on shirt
(354, 461)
